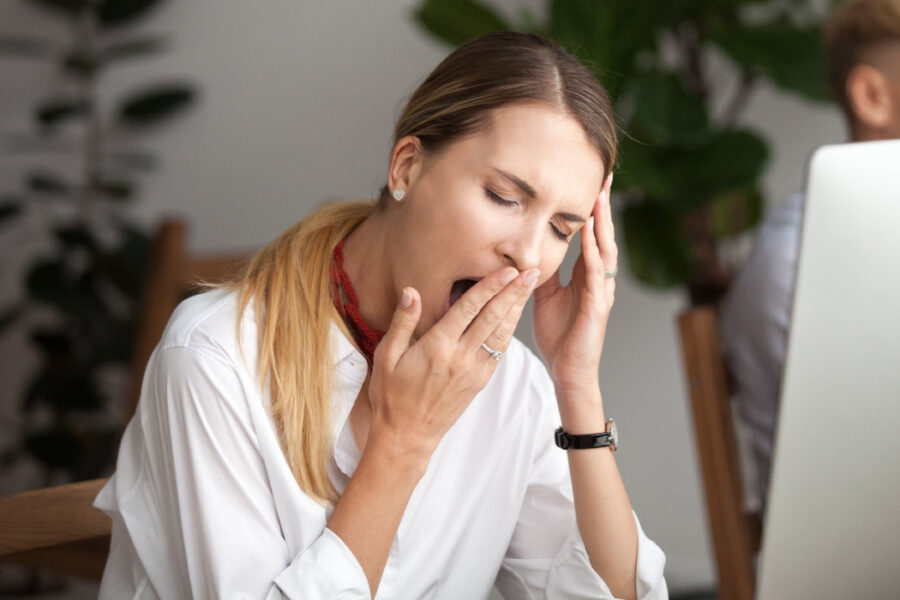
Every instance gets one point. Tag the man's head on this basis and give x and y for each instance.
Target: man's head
(862, 38)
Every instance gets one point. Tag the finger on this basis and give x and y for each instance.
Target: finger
(500, 337)
(496, 311)
(397, 339)
(606, 237)
(468, 307)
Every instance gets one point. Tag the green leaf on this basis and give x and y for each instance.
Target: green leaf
(47, 281)
(156, 103)
(607, 36)
(792, 57)
(735, 211)
(53, 343)
(81, 63)
(135, 48)
(733, 159)
(115, 190)
(639, 170)
(457, 21)
(48, 183)
(116, 13)
(655, 245)
(666, 112)
(10, 208)
(58, 449)
(53, 111)
(76, 236)
(10, 315)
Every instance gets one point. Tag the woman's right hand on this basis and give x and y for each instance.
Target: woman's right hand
(418, 390)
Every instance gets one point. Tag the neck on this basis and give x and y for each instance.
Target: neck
(366, 261)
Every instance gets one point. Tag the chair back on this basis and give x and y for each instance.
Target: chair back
(735, 533)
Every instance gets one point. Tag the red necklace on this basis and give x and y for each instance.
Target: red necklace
(348, 306)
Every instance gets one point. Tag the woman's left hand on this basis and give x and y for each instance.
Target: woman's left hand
(570, 321)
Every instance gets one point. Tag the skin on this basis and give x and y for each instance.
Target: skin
(873, 91)
(430, 364)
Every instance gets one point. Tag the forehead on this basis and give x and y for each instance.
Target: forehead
(542, 146)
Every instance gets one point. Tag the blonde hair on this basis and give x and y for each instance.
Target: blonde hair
(853, 29)
(290, 280)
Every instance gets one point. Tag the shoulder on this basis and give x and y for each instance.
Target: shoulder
(207, 324)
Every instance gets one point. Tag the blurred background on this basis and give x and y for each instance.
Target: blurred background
(238, 118)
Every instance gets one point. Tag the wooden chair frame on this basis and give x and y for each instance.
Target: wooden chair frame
(735, 533)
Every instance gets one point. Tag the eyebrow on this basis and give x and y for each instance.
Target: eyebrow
(529, 191)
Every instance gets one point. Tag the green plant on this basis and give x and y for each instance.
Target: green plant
(80, 298)
(688, 176)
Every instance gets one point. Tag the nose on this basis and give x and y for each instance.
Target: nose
(522, 249)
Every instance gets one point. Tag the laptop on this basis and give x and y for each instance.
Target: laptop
(833, 518)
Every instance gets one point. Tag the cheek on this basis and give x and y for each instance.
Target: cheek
(551, 259)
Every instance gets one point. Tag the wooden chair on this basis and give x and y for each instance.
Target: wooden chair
(57, 528)
(735, 533)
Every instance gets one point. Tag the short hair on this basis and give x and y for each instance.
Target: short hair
(854, 28)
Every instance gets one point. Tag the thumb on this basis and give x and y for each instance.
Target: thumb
(406, 316)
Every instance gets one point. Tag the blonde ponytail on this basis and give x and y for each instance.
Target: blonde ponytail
(289, 282)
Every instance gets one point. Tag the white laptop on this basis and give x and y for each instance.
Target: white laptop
(833, 519)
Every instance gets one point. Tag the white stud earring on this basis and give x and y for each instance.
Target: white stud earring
(399, 195)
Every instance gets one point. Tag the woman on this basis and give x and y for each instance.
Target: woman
(351, 417)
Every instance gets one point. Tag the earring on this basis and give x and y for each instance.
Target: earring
(399, 195)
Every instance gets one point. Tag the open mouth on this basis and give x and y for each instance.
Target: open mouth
(460, 287)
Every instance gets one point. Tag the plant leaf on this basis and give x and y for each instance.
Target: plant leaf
(116, 13)
(607, 36)
(657, 250)
(456, 21)
(53, 111)
(10, 316)
(75, 236)
(665, 112)
(792, 57)
(733, 159)
(48, 183)
(735, 211)
(156, 103)
(135, 48)
(10, 208)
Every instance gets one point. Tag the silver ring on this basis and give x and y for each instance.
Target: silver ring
(495, 354)
(610, 274)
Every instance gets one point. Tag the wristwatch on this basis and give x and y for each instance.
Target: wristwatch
(567, 441)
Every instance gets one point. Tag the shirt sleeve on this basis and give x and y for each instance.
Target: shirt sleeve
(546, 557)
(192, 491)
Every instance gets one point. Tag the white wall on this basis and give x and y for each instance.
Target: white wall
(297, 107)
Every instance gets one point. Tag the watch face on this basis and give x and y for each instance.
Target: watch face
(613, 434)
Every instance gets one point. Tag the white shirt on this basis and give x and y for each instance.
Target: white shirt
(755, 319)
(204, 505)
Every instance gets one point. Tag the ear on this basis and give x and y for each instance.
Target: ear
(406, 163)
(869, 97)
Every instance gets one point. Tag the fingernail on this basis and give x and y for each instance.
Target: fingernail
(510, 275)
(531, 277)
(406, 298)
(590, 223)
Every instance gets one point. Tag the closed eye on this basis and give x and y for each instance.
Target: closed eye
(504, 202)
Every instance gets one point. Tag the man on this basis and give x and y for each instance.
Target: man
(862, 39)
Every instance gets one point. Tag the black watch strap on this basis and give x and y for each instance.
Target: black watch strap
(567, 441)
